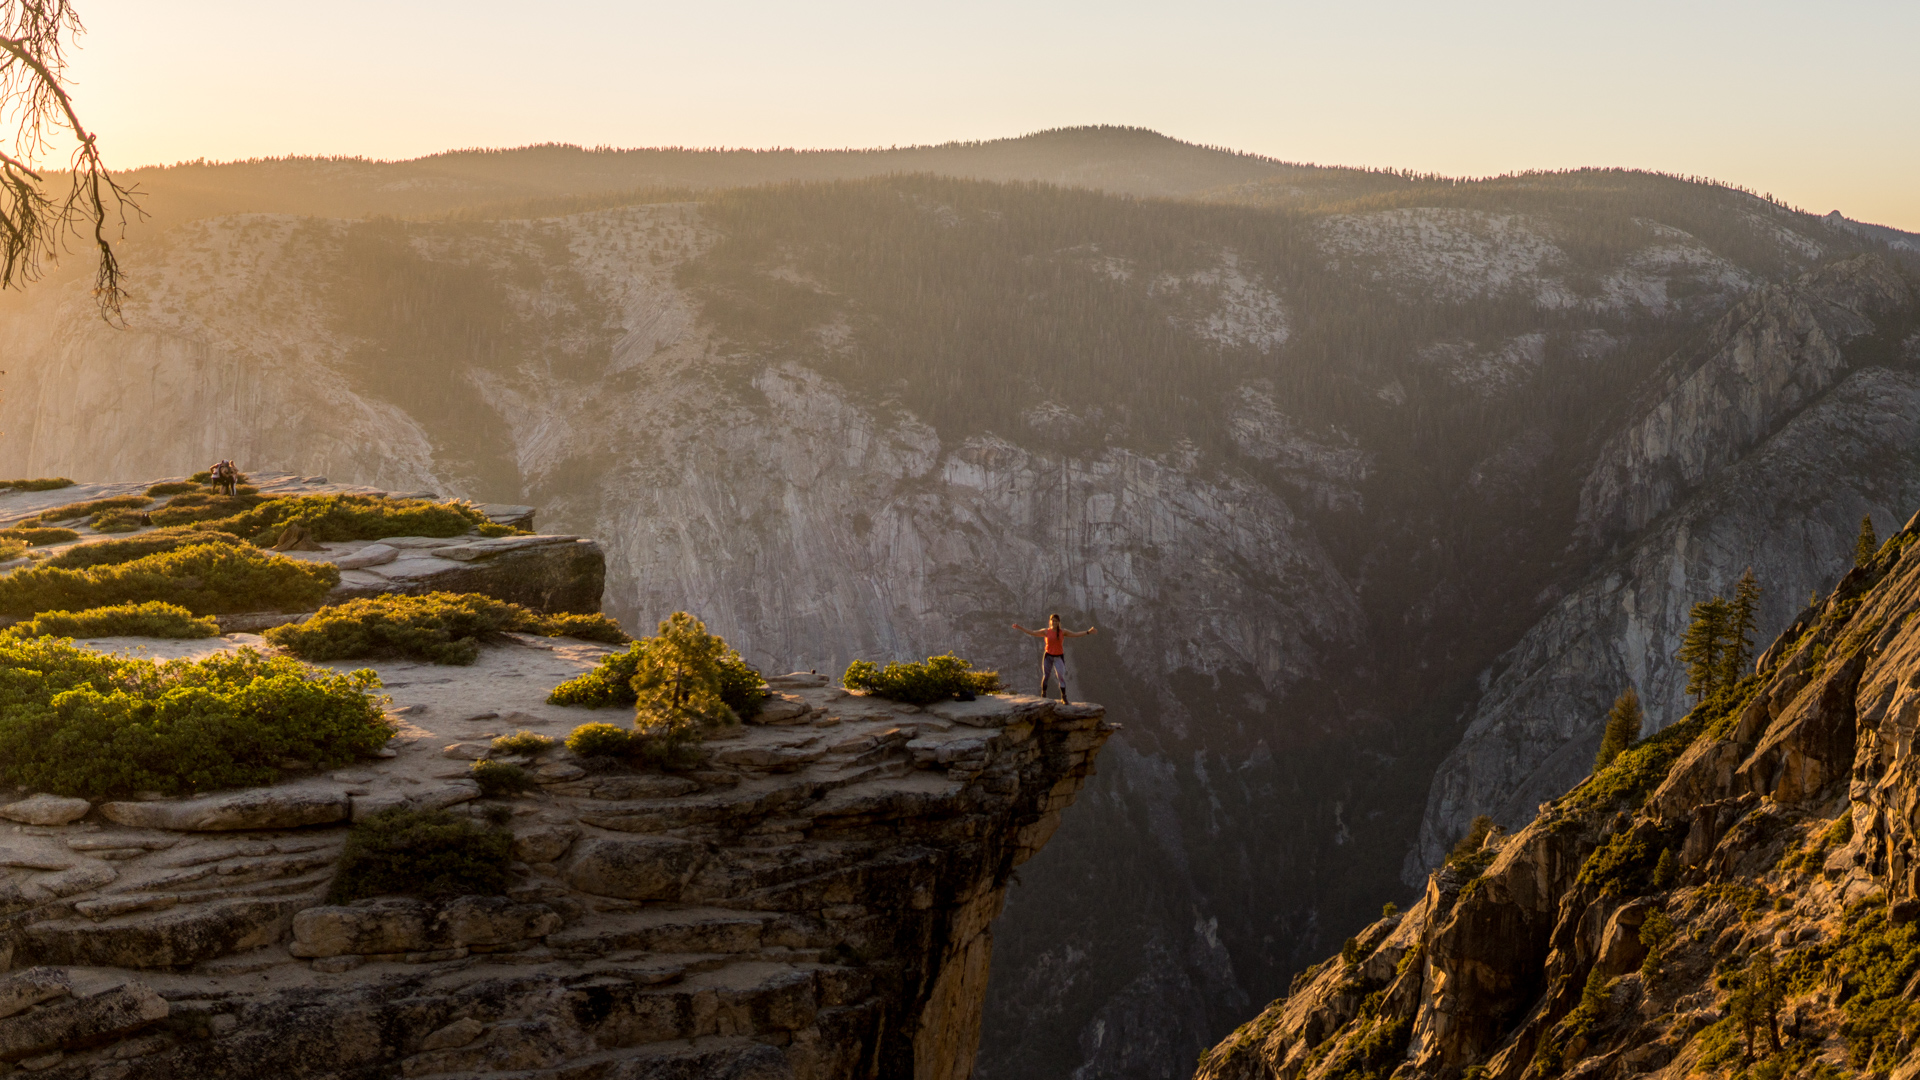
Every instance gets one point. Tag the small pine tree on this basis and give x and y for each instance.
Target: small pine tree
(1623, 727)
(1868, 545)
(1350, 952)
(1742, 615)
(1471, 843)
(1389, 909)
(1665, 869)
(678, 679)
(1702, 647)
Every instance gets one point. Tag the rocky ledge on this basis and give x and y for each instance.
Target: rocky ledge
(816, 900)
(551, 573)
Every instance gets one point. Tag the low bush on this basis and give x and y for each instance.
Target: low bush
(206, 477)
(497, 778)
(83, 723)
(601, 741)
(36, 537)
(440, 628)
(45, 483)
(940, 678)
(11, 550)
(202, 507)
(154, 618)
(352, 517)
(596, 627)
(523, 743)
(119, 521)
(173, 487)
(71, 511)
(207, 579)
(110, 552)
(427, 853)
(611, 683)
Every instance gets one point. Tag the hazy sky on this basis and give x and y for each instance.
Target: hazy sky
(1817, 103)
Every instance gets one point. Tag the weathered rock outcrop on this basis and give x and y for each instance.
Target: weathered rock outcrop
(815, 901)
(1733, 890)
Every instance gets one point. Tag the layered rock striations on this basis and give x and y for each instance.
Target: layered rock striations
(1737, 892)
(817, 900)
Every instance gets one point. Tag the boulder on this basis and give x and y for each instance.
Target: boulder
(174, 939)
(371, 555)
(380, 926)
(543, 843)
(782, 709)
(635, 867)
(491, 920)
(24, 989)
(457, 1034)
(46, 810)
(81, 1021)
(255, 808)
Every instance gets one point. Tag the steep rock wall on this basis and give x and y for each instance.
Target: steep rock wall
(1761, 848)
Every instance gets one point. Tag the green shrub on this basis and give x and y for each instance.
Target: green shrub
(601, 741)
(109, 552)
(34, 537)
(172, 487)
(440, 628)
(1471, 844)
(523, 743)
(151, 619)
(428, 853)
(45, 483)
(203, 507)
(11, 550)
(82, 723)
(207, 579)
(352, 517)
(1627, 863)
(938, 679)
(596, 627)
(96, 506)
(497, 778)
(611, 684)
(119, 521)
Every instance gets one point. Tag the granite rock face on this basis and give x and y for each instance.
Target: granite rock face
(1612, 935)
(1763, 449)
(823, 918)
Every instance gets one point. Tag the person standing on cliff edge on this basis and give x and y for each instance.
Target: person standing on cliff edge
(1053, 658)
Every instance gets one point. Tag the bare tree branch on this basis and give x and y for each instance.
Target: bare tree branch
(34, 224)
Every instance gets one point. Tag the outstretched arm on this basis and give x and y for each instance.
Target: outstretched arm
(1081, 633)
(1029, 633)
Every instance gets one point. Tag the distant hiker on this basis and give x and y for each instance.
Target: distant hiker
(226, 478)
(1053, 658)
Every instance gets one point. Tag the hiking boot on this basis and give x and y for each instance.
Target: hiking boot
(1063, 698)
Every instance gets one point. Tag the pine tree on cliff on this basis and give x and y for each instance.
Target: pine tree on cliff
(1703, 648)
(1865, 548)
(1742, 614)
(1623, 726)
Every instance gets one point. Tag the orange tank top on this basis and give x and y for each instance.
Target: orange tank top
(1056, 644)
